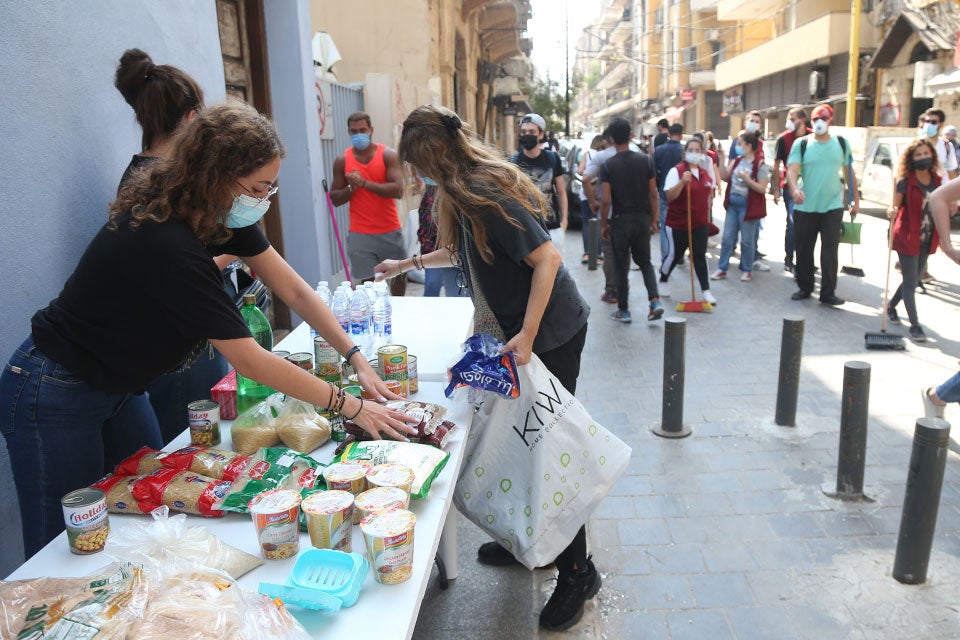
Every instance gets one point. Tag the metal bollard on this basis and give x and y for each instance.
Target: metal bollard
(674, 355)
(791, 348)
(593, 239)
(928, 459)
(853, 430)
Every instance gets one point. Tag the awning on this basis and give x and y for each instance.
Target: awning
(934, 37)
(947, 82)
(617, 107)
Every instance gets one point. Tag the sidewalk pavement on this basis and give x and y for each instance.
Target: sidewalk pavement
(728, 533)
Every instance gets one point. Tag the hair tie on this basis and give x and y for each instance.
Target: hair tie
(150, 68)
(452, 124)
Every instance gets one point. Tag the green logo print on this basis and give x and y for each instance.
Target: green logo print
(510, 511)
(582, 471)
(466, 495)
(546, 477)
(490, 519)
(565, 459)
(557, 498)
(592, 429)
(603, 460)
(507, 543)
(479, 472)
(576, 485)
(489, 494)
(529, 531)
(563, 479)
(512, 532)
(527, 511)
(505, 485)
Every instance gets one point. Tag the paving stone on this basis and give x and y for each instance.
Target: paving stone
(646, 531)
(717, 590)
(663, 592)
(796, 525)
(675, 558)
(692, 624)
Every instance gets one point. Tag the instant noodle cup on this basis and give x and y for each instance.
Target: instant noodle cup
(276, 516)
(380, 499)
(347, 476)
(390, 474)
(330, 519)
(389, 539)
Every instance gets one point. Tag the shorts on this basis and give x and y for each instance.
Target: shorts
(367, 250)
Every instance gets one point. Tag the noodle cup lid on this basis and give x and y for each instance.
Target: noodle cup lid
(332, 501)
(275, 501)
(381, 498)
(392, 474)
(388, 523)
(344, 472)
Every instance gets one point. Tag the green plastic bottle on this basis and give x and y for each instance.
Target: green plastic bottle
(249, 391)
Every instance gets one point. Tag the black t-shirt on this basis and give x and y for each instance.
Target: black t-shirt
(140, 302)
(507, 282)
(543, 170)
(628, 173)
(659, 139)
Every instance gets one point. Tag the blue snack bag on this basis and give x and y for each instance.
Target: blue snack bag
(483, 369)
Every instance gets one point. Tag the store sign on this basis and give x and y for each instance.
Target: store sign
(688, 95)
(732, 102)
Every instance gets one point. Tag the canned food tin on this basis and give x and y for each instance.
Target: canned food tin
(413, 383)
(302, 359)
(204, 419)
(326, 361)
(394, 386)
(330, 519)
(276, 516)
(393, 365)
(389, 539)
(281, 353)
(85, 515)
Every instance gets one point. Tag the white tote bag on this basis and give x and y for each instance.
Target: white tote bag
(536, 467)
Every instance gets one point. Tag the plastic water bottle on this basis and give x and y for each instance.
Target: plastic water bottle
(341, 309)
(382, 317)
(360, 323)
(323, 290)
(249, 391)
(368, 288)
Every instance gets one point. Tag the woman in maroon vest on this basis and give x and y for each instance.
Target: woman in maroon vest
(746, 204)
(694, 174)
(914, 234)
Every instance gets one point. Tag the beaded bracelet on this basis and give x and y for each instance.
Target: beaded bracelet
(358, 410)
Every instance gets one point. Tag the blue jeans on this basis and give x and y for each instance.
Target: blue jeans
(63, 434)
(949, 391)
(445, 277)
(664, 234)
(170, 394)
(736, 224)
(789, 237)
(586, 213)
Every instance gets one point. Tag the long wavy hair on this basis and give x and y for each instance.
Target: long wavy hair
(906, 159)
(474, 179)
(199, 181)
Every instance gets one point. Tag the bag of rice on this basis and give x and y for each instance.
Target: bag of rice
(142, 462)
(300, 427)
(119, 496)
(270, 468)
(182, 491)
(427, 462)
(254, 429)
(213, 463)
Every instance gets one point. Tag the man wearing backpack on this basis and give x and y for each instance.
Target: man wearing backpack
(544, 168)
(813, 176)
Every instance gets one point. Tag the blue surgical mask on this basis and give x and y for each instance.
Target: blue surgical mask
(246, 211)
(752, 126)
(738, 151)
(931, 130)
(428, 181)
(360, 141)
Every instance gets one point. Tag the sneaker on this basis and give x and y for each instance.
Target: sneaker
(708, 297)
(926, 278)
(800, 295)
(663, 289)
(585, 259)
(609, 297)
(917, 334)
(719, 274)
(565, 607)
(759, 265)
(788, 266)
(892, 315)
(495, 555)
(930, 408)
(746, 276)
(833, 301)
(656, 311)
(621, 316)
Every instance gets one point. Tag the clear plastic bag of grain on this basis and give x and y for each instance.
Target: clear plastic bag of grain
(300, 427)
(254, 428)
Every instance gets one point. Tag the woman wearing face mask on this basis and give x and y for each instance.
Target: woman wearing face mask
(914, 234)
(747, 178)
(146, 296)
(694, 174)
(491, 223)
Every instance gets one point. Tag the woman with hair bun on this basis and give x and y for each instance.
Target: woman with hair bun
(147, 296)
(491, 225)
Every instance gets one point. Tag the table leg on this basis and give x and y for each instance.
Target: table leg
(447, 549)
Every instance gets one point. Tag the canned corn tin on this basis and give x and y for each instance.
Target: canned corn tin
(393, 365)
(204, 419)
(302, 359)
(413, 383)
(85, 514)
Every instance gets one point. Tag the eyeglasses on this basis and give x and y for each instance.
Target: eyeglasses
(271, 191)
(461, 274)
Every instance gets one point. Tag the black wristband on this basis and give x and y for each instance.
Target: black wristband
(358, 410)
(355, 350)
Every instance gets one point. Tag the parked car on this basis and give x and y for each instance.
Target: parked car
(880, 162)
(572, 153)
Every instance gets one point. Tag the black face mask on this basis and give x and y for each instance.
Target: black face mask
(923, 164)
(529, 141)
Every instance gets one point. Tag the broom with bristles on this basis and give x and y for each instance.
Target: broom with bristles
(693, 304)
(884, 340)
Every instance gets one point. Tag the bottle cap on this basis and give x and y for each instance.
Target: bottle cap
(249, 298)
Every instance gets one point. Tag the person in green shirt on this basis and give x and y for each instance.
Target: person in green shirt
(813, 176)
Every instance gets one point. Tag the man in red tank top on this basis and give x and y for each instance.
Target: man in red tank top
(368, 177)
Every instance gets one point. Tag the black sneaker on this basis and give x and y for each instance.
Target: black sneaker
(565, 607)
(917, 334)
(496, 555)
(892, 315)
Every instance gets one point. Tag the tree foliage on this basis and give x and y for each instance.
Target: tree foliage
(546, 98)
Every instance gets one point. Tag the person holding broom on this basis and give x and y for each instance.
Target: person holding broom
(491, 224)
(913, 236)
(689, 190)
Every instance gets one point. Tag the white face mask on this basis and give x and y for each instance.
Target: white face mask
(791, 125)
(692, 157)
(753, 126)
(820, 126)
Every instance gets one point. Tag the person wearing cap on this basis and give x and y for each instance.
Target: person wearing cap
(813, 175)
(368, 177)
(544, 168)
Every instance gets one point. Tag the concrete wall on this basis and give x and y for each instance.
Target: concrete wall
(67, 136)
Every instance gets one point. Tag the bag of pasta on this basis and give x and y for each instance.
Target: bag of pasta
(300, 427)
(254, 428)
